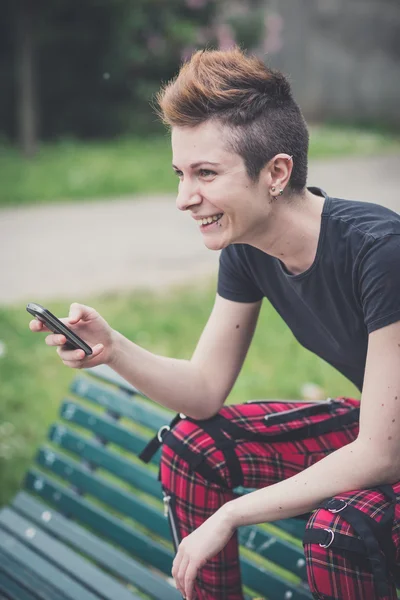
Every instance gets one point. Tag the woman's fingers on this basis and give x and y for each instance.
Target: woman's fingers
(36, 325)
(180, 570)
(190, 576)
(77, 356)
(55, 339)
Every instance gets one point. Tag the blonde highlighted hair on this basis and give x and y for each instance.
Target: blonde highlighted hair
(254, 102)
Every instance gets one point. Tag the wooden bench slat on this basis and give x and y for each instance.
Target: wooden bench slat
(46, 571)
(87, 482)
(96, 454)
(273, 549)
(104, 428)
(294, 527)
(23, 582)
(13, 581)
(105, 373)
(107, 525)
(135, 408)
(63, 557)
(102, 552)
(270, 584)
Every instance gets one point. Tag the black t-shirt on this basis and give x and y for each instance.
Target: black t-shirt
(351, 289)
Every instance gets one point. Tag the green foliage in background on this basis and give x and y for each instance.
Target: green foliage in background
(34, 381)
(73, 170)
(98, 63)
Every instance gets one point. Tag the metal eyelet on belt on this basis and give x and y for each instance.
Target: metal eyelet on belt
(330, 541)
(337, 510)
(161, 431)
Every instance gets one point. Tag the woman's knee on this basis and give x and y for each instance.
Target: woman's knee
(195, 452)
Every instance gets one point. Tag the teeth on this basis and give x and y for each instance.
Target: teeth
(208, 220)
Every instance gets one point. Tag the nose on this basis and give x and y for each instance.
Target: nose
(188, 196)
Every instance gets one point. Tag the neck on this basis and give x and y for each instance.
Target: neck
(292, 231)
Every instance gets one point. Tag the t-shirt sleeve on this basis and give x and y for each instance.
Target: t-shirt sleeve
(234, 278)
(380, 283)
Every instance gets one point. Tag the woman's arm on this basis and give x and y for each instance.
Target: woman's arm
(372, 459)
(199, 387)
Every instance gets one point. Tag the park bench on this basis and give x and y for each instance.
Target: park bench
(89, 523)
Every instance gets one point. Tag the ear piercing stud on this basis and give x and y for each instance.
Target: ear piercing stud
(280, 191)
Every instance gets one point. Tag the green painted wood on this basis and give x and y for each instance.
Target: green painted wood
(102, 552)
(274, 549)
(139, 410)
(61, 556)
(45, 570)
(97, 455)
(90, 483)
(13, 589)
(295, 527)
(274, 587)
(22, 583)
(103, 427)
(112, 528)
(105, 373)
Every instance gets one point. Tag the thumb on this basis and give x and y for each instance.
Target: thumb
(75, 312)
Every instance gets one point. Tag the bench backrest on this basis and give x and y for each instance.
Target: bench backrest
(91, 474)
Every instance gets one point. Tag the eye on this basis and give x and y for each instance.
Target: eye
(178, 173)
(206, 173)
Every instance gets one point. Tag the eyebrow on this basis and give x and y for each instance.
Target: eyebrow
(197, 164)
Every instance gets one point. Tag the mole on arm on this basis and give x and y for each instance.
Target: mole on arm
(237, 326)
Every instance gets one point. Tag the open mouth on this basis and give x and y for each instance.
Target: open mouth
(209, 220)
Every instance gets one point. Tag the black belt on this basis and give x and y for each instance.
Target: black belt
(374, 542)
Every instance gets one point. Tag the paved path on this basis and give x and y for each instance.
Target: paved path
(72, 251)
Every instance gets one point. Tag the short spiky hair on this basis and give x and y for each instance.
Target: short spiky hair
(253, 101)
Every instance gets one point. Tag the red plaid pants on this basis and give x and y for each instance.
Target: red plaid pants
(201, 478)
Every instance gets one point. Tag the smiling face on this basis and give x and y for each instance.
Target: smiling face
(214, 185)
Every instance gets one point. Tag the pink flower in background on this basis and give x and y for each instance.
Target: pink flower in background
(225, 36)
(196, 3)
(273, 41)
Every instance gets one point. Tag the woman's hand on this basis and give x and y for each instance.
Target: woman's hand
(88, 325)
(199, 547)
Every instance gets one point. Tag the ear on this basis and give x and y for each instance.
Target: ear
(277, 173)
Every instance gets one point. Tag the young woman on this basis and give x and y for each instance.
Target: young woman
(331, 268)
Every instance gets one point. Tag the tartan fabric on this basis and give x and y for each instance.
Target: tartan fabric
(262, 464)
(334, 574)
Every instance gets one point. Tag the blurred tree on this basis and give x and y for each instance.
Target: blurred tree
(25, 53)
(91, 69)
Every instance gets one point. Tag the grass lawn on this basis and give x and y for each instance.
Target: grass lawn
(72, 170)
(34, 381)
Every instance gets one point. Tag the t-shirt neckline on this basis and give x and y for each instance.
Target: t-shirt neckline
(325, 212)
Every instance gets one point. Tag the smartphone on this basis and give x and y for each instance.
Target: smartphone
(74, 342)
